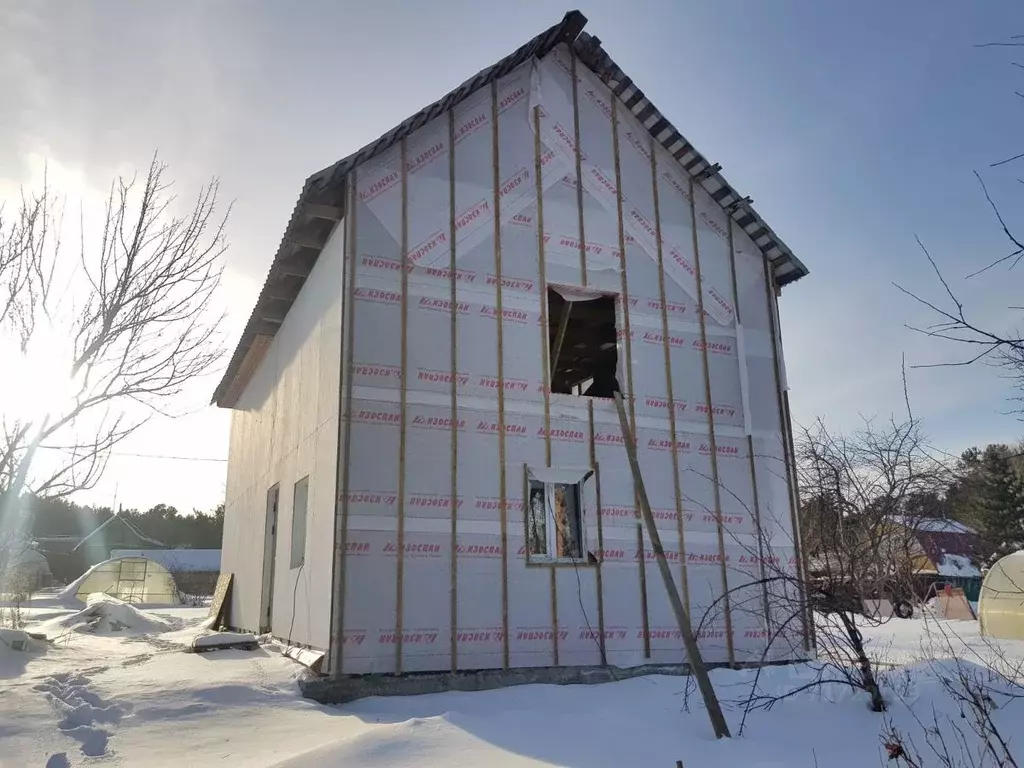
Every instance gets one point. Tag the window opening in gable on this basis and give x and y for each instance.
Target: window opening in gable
(583, 344)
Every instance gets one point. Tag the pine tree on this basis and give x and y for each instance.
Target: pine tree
(1001, 504)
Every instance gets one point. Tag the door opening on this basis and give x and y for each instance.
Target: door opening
(269, 555)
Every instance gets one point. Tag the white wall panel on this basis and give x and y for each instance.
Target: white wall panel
(285, 427)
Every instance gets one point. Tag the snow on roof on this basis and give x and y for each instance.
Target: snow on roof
(192, 560)
(956, 565)
(933, 524)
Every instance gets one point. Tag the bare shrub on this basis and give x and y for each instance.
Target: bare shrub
(193, 587)
(860, 553)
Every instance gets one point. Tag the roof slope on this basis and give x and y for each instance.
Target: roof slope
(189, 560)
(950, 545)
(321, 201)
(117, 520)
(933, 524)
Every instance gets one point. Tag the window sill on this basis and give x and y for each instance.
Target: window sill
(563, 562)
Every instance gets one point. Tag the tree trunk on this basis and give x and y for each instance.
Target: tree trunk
(867, 673)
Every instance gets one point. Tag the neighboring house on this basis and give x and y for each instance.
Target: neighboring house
(946, 553)
(58, 550)
(464, 292)
(194, 570)
(117, 532)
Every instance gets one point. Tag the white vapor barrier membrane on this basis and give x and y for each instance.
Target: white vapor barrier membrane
(551, 89)
(480, 633)
(548, 608)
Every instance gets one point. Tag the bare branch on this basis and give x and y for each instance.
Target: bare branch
(995, 209)
(1007, 160)
(1004, 349)
(145, 324)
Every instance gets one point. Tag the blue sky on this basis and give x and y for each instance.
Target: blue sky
(854, 127)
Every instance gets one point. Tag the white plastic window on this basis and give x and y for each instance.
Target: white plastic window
(300, 502)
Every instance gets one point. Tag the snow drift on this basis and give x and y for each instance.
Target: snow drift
(105, 614)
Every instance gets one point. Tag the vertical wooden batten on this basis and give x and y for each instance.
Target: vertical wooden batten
(502, 469)
(403, 422)
(454, 540)
(545, 352)
(748, 418)
(801, 562)
(712, 442)
(801, 556)
(344, 432)
(641, 557)
(785, 435)
(666, 347)
(578, 157)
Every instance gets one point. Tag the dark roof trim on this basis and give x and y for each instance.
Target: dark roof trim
(564, 32)
(322, 199)
(786, 266)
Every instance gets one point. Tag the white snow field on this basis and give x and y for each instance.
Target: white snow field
(123, 693)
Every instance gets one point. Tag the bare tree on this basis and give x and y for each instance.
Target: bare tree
(136, 318)
(26, 236)
(861, 554)
(1003, 347)
(952, 320)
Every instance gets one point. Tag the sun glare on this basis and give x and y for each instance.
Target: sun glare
(36, 382)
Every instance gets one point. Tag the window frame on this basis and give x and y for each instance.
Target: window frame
(297, 558)
(550, 557)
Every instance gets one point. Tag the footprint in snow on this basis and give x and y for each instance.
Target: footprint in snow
(83, 711)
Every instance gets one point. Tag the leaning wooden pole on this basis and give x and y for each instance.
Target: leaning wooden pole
(689, 641)
(560, 338)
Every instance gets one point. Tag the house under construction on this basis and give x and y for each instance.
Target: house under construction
(427, 471)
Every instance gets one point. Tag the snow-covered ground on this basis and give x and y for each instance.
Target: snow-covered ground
(130, 696)
(900, 642)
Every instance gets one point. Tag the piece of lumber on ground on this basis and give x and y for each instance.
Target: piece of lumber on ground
(223, 640)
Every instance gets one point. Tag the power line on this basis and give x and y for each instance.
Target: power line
(140, 455)
(174, 458)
